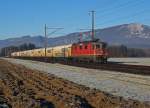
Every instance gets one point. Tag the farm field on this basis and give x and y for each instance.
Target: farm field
(132, 61)
(128, 86)
(21, 87)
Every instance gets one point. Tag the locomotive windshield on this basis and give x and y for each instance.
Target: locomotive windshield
(97, 46)
(104, 45)
(101, 45)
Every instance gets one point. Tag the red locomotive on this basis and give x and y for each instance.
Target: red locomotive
(90, 51)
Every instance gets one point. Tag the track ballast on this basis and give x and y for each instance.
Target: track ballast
(111, 66)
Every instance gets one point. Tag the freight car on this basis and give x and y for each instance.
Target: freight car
(87, 51)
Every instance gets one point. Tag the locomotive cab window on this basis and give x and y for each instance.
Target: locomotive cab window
(104, 45)
(93, 47)
(80, 46)
(85, 47)
(97, 46)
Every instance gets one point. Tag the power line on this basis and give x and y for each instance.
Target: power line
(127, 17)
(92, 13)
(121, 6)
(46, 35)
(118, 6)
(106, 8)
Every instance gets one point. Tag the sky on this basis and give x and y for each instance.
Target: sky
(27, 17)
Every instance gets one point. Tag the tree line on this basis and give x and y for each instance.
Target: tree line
(123, 51)
(6, 51)
(113, 51)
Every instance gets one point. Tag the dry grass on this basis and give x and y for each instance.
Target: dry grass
(25, 88)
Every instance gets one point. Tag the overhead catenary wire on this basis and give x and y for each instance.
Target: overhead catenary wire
(117, 7)
(110, 4)
(126, 17)
(120, 6)
(55, 29)
(117, 16)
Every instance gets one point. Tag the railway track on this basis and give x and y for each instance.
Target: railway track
(133, 69)
(111, 66)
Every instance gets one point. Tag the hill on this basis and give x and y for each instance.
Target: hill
(132, 35)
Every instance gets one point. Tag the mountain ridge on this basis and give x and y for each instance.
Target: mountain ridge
(134, 35)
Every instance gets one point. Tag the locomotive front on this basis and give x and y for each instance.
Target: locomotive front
(100, 52)
(90, 51)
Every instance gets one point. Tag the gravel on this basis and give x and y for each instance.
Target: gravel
(129, 86)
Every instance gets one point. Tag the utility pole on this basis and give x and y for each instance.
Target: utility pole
(93, 21)
(45, 30)
(46, 35)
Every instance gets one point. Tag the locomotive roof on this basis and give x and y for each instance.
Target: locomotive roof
(92, 41)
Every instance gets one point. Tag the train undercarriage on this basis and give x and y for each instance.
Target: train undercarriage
(86, 59)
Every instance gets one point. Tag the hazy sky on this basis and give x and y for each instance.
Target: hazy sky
(27, 17)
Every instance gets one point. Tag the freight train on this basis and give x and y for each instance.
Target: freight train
(86, 51)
